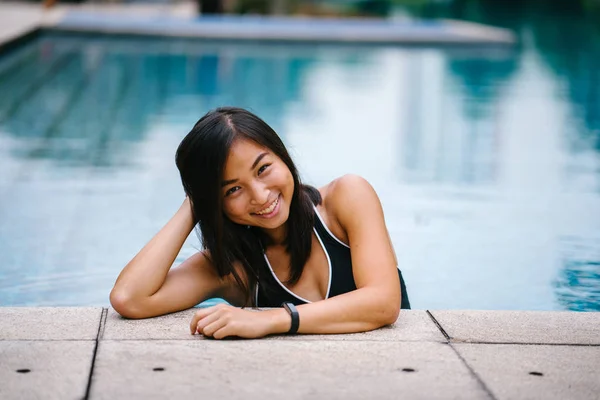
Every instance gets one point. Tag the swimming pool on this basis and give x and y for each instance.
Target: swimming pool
(486, 163)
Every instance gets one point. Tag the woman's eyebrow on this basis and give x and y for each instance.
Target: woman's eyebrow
(260, 157)
(254, 164)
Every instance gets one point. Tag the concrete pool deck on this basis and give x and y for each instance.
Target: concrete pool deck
(180, 20)
(58, 353)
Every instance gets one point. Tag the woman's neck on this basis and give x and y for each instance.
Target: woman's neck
(276, 236)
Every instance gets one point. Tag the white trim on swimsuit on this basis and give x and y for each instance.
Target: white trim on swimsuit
(327, 228)
(288, 290)
(331, 233)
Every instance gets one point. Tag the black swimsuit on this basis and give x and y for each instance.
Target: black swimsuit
(341, 279)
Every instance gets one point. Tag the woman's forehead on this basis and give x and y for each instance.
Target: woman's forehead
(243, 153)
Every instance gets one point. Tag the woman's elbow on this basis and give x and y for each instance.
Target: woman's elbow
(124, 305)
(389, 313)
(392, 314)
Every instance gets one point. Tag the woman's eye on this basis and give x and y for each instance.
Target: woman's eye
(232, 190)
(263, 168)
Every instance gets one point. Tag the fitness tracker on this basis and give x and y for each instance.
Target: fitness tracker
(291, 309)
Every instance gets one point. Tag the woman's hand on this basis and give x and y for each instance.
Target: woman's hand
(224, 320)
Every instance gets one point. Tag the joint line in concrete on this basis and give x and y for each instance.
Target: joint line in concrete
(472, 371)
(102, 323)
(525, 343)
(438, 325)
(100, 332)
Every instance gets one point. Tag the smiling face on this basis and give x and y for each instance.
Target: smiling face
(257, 186)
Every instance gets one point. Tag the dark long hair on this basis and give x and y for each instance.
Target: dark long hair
(201, 158)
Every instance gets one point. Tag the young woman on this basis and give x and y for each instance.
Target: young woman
(268, 241)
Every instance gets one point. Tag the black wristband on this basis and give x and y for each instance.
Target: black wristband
(291, 308)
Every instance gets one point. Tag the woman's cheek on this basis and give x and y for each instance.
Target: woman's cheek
(229, 208)
(235, 207)
(284, 176)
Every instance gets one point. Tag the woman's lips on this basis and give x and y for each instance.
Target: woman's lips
(275, 205)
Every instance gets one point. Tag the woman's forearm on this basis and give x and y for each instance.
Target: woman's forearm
(146, 272)
(357, 311)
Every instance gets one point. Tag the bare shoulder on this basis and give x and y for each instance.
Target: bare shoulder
(346, 193)
(343, 199)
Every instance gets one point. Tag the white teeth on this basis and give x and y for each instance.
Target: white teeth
(270, 208)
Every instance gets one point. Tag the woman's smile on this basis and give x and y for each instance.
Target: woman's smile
(270, 211)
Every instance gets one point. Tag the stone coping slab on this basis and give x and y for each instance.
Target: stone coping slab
(289, 28)
(45, 370)
(534, 327)
(49, 323)
(20, 20)
(281, 369)
(535, 372)
(412, 325)
(528, 327)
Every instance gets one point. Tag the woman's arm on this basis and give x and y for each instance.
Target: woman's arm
(376, 302)
(148, 287)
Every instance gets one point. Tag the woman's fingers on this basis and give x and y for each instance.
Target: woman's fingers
(202, 313)
(194, 322)
(218, 325)
(223, 332)
(204, 322)
(199, 315)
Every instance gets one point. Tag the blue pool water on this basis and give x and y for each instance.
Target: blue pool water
(486, 160)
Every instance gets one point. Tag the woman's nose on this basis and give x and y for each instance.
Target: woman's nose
(259, 194)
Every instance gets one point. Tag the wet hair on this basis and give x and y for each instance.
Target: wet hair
(201, 158)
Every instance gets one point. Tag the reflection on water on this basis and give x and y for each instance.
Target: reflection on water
(486, 160)
(577, 285)
(81, 103)
(439, 146)
(563, 37)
